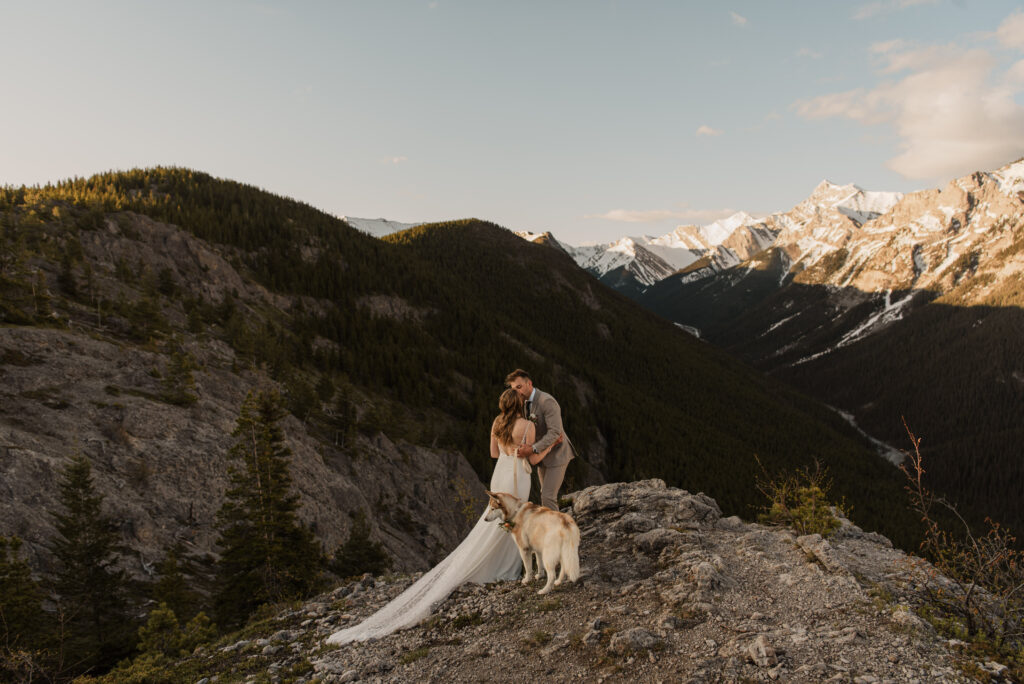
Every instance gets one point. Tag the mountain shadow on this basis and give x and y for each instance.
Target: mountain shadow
(956, 373)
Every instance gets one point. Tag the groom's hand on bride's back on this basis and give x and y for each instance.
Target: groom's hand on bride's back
(526, 451)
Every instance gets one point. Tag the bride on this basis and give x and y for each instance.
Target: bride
(486, 554)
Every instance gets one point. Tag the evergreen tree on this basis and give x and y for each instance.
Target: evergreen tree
(344, 418)
(66, 278)
(325, 388)
(173, 586)
(178, 384)
(163, 634)
(359, 553)
(41, 295)
(24, 628)
(91, 588)
(267, 556)
(302, 398)
(161, 640)
(165, 282)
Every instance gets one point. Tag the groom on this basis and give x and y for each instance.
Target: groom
(543, 410)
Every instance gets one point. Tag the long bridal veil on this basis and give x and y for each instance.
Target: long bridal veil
(487, 554)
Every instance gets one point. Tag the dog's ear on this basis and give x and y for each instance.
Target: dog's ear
(490, 494)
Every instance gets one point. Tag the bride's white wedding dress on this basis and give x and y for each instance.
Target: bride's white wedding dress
(486, 554)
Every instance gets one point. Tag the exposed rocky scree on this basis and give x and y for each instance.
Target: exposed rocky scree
(671, 591)
(163, 469)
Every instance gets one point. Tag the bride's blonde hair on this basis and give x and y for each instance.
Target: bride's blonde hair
(510, 403)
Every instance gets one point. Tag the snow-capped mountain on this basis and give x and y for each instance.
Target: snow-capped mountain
(821, 223)
(869, 244)
(377, 227)
(634, 263)
(724, 243)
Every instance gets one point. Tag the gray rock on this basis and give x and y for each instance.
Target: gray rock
(656, 540)
(672, 622)
(819, 548)
(761, 653)
(631, 523)
(706, 576)
(632, 640)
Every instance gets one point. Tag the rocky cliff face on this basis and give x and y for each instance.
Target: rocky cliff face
(670, 592)
(162, 469)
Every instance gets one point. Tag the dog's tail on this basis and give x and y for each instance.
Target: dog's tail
(570, 559)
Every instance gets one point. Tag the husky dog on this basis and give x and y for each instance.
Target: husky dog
(550, 535)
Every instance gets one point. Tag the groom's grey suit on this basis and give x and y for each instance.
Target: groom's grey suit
(546, 414)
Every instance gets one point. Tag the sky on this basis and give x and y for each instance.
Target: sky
(592, 119)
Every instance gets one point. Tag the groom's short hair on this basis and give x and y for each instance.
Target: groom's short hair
(517, 373)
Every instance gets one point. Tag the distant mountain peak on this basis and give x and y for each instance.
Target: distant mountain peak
(378, 227)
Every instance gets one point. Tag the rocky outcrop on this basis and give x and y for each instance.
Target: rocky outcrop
(162, 469)
(670, 592)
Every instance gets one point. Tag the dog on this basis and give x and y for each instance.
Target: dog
(538, 531)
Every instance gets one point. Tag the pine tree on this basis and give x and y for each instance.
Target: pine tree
(173, 586)
(41, 296)
(178, 384)
(267, 556)
(91, 588)
(359, 553)
(344, 419)
(161, 640)
(25, 630)
(66, 278)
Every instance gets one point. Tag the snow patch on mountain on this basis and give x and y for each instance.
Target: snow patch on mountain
(863, 206)
(378, 227)
(886, 451)
(1011, 177)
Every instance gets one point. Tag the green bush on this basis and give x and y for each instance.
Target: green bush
(800, 500)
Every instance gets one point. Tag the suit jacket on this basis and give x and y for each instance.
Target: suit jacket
(547, 416)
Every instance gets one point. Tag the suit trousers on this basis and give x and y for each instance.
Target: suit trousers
(550, 482)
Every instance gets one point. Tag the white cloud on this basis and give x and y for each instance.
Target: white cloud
(655, 215)
(1015, 75)
(871, 9)
(737, 19)
(708, 131)
(954, 109)
(1011, 32)
(808, 52)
